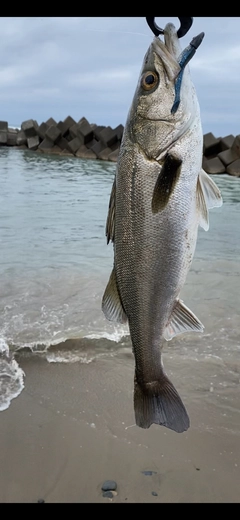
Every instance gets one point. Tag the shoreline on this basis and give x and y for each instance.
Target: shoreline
(72, 428)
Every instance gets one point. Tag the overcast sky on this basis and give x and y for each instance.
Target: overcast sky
(55, 67)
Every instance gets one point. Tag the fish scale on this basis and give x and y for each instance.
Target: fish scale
(159, 198)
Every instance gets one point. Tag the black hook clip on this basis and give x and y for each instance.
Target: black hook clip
(185, 24)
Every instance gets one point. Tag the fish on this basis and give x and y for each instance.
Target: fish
(159, 198)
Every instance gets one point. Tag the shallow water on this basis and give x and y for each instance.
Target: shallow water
(55, 264)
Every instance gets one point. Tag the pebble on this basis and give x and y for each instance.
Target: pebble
(149, 472)
(41, 501)
(109, 485)
(107, 494)
(154, 494)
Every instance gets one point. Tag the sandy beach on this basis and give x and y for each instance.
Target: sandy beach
(72, 428)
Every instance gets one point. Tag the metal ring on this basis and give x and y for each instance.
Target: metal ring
(185, 24)
(153, 26)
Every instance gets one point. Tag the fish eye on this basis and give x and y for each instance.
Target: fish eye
(149, 80)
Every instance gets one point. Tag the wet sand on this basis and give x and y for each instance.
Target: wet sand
(72, 428)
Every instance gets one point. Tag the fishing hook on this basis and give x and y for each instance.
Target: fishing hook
(185, 24)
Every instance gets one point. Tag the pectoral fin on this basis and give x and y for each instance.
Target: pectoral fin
(166, 182)
(182, 320)
(111, 302)
(110, 224)
(208, 196)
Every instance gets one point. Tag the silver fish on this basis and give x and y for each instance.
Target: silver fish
(159, 197)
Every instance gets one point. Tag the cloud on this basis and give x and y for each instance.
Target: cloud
(110, 78)
(55, 66)
(224, 64)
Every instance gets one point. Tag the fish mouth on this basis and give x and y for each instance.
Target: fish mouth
(171, 122)
(163, 120)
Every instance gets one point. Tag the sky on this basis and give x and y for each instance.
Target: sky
(89, 66)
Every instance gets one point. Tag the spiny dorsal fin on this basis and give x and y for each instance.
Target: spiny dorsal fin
(165, 183)
(111, 302)
(110, 224)
(182, 320)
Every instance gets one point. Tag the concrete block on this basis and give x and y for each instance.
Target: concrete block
(104, 154)
(208, 139)
(46, 144)
(22, 147)
(98, 147)
(66, 152)
(85, 130)
(65, 125)
(29, 127)
(63, 144)
(211, 145)
(33, 142)
(74, 145)
(69, 121)
(234, 168)
(13, 130)
(213, 166)
(12, 137)
(83, 119)
(115, 146)
(204, 163)
(3, 126)
(41, 131)
(226, 142)
(74, 131)
(119, 131)
(51, 122)
(236, 145)
(55, 150)
(85, 153)
(228, 156)
(68, 137)
(21, 138)
(108, 136)
(3, 137)
(97, 131)
(114, 155)
(60, 125)
(53, 133)
(91, 143)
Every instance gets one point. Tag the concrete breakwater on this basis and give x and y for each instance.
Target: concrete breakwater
(68, 137)
(222, 154)
(90, 141)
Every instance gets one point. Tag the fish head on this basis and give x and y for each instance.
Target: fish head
(152, 123)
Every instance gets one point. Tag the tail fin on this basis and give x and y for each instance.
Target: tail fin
(158, 402)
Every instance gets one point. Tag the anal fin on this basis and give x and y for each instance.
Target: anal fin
(182, 320)
(111, 302)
